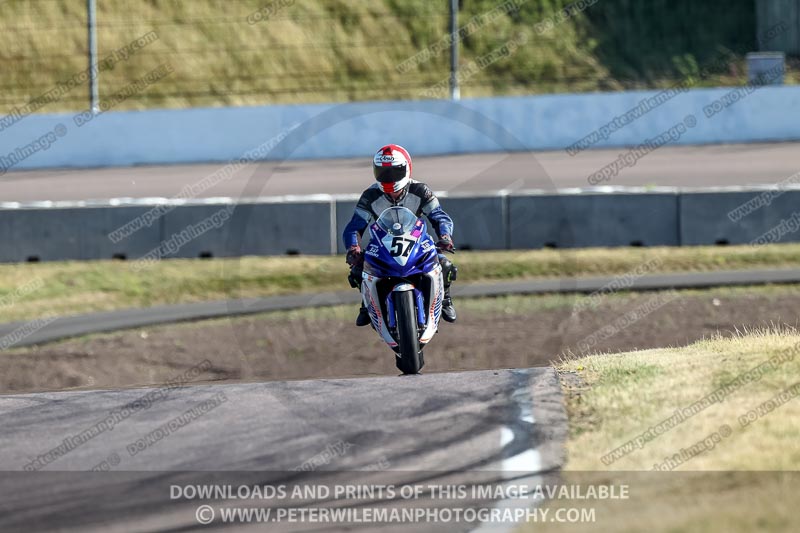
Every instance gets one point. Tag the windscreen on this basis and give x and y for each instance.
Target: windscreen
(397, 221)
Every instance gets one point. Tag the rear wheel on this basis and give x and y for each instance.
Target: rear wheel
(409, 361)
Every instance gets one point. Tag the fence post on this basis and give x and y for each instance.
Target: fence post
(455, 92)
(94, 95)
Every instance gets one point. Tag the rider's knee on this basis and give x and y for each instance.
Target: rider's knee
(354, 278)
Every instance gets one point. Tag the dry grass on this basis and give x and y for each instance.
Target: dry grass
(327, 50)
(78, 287)
(737, 484)
(630, 392)
(331, 50)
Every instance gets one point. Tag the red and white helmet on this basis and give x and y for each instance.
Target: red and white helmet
(392, 168)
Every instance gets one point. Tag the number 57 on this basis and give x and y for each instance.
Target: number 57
(397, 247)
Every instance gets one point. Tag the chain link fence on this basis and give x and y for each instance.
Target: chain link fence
(255, 52)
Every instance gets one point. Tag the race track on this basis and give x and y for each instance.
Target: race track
(682, 166)
(474, 427)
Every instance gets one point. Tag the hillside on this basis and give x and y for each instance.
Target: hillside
(245, 52)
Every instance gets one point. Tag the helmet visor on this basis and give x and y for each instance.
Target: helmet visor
(390, 174)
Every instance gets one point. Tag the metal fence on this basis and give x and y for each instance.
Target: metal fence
(251, 52)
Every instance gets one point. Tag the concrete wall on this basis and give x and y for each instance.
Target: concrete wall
(585, 220)
(253, 229)
(187, 231)
(76, 233)
(713, 218)
(314, 226)
(480, 221)
(428, 127)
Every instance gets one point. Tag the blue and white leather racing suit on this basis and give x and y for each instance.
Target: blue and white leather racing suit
(420, 200)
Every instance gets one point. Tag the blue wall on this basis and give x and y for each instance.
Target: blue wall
(424, 127)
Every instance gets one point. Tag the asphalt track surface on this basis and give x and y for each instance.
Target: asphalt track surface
(73, 326)
(682, 166)
(455, 428)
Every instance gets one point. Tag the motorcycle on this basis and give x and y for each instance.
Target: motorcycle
(402, 285)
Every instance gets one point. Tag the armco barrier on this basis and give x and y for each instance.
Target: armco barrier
(594, 219)
(313, 225)
(738, 217)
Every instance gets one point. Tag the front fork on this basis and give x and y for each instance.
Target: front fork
(392, 317)
(428, 318)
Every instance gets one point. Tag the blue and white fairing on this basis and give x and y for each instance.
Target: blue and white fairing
(400, 249)
(400, 245)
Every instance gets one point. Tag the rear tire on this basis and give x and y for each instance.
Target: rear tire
(409, 361)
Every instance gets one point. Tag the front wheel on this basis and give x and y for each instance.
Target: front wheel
(409, 361)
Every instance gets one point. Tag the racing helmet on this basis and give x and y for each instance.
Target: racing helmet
(392, 169)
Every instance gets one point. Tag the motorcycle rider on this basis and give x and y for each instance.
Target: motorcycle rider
(395, 187)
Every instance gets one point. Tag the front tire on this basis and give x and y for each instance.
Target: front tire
(409, 361)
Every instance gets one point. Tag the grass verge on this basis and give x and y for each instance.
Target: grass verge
(719, 465)
(62, 288)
